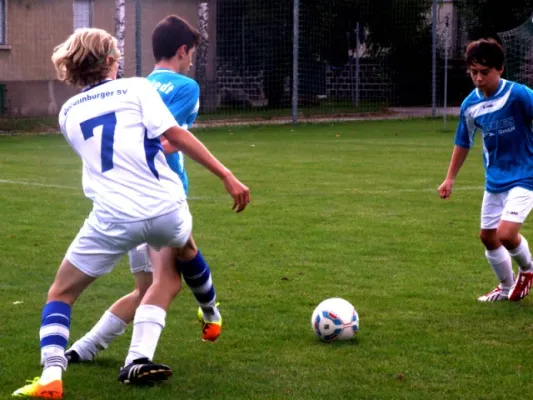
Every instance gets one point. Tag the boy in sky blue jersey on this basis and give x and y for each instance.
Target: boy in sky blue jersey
(502, 111)
(173, 43)
(181, 95)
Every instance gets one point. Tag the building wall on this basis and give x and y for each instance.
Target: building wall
(34, 28)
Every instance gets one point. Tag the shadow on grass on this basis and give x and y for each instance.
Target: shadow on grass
(355, 341)
(99, 363)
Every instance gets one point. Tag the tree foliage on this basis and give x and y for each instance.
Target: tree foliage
(257, 35)
(485, 18)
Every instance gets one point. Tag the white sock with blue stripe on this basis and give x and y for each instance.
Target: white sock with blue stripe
(54, 334)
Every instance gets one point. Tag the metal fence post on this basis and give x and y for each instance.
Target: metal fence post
(357, 76)
(295, 76)
(434, 60)
(446, 69)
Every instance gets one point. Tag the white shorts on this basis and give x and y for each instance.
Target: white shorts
(140, 259)
(513, 206)
(99, 245)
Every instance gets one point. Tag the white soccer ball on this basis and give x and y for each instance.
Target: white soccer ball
(335, 319)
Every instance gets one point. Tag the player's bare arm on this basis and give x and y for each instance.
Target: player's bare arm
(185, 141)
(167, 147)
(458, 158)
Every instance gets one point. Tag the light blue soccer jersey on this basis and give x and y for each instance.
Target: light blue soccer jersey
(505, 121)
(181, 95)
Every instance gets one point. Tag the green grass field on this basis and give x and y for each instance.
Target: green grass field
(338, 210)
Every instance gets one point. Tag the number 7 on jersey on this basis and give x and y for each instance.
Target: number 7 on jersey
(108, 123)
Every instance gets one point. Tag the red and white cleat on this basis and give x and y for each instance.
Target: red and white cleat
(497, 294)
(521, 286)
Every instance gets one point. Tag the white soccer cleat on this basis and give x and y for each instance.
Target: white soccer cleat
(496, 294)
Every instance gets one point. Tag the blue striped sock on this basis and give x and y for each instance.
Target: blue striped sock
(197, 275)
(54, 334)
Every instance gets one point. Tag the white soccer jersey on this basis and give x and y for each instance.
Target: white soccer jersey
(115, 128)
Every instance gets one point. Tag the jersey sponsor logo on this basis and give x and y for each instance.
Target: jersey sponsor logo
(499, 127)
(165, 88)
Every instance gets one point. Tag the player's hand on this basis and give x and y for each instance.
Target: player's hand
(445, 189)
(237, 190)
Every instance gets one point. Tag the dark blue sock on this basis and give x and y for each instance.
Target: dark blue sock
(197, 275)
(54, 333)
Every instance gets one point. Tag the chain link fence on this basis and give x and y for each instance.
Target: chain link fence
(277, 60)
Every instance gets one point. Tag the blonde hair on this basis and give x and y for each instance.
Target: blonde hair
(83, 58)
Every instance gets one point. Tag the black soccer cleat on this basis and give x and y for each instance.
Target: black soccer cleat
(72, 357)
(144, 372)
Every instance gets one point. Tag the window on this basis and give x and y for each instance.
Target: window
(82, 11)
(3, 21)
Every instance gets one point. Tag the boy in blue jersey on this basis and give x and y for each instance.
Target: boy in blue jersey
(503, 111)
(174, 41)
(173, 44)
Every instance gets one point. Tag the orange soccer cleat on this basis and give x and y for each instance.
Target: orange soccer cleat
(51, 390)
(211, 329)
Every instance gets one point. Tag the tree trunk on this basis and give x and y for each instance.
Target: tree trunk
(120, 26)
(204, 72)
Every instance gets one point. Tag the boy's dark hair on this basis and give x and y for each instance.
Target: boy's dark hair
(170, 34)
(487, 52)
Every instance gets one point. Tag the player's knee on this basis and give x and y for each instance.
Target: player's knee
(509, 238)
(170, 291)
(69, 283)
(139, 292)
(187, 252)
(174, 288)
(489, 238)
(485, 237)
(136, 296)
(169, 286)
(143, 281)
(61, 293)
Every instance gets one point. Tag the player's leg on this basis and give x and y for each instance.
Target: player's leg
(197, 275)
(518, 205)
(115, 320)
(173, 229)
(497, 255)
(149, 322)
(93, 253)
(68, 284)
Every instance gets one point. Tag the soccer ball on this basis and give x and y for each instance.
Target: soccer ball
(335, 319)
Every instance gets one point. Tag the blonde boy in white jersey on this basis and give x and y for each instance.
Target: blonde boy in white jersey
(115, 127)
(174, 41)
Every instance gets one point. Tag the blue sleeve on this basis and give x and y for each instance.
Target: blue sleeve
(464, 136)
(191, 119)
(526, 97)
(185, 102)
